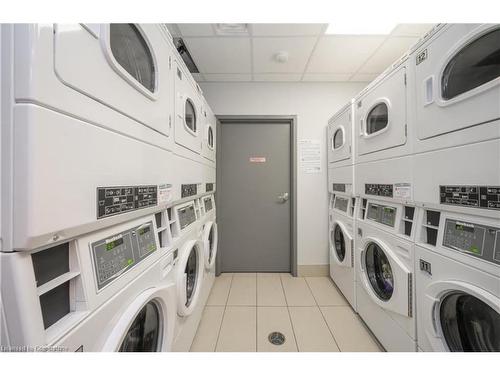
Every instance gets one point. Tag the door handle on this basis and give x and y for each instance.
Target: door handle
(283, 197)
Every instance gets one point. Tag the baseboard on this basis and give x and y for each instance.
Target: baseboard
(313, 270)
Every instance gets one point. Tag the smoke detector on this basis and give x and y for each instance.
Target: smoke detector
(281, 57)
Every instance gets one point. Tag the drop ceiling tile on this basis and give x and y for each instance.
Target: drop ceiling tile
(363, 77)
(326, 77)
(298, 49)
(220, 55)
(287, 29)
(227, 77)
(277, 77)
(412, 29)
(196, 29)
(391, 50)
(342, 54)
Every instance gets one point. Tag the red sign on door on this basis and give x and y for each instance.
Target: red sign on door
(257, 159)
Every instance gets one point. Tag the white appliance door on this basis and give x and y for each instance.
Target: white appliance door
(381, 115)
(339, 138)
(341, 245)
(209, 132)
(188, 116)
(459, 316)
(456, 74)
(385, 278)
(132, 60)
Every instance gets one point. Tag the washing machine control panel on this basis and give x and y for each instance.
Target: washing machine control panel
(187, 215)
(341, 204)
(120, 199)
(382, 214)
(478, 240)
(117, 254)
(486, 197)
(381, 190)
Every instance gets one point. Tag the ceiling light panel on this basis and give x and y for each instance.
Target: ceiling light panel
(359, 28)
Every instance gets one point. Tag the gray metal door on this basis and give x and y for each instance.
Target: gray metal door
(253, 189)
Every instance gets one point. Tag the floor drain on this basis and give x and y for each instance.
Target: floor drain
(276, 338)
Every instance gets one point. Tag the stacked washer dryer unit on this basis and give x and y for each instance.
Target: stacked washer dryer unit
(87, 262)
(194, 157)
(384, 224)
(456, 98)
(341, 202)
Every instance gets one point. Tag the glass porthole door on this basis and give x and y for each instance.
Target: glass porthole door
(379, 272)
(341, 245)
(469, 324)
(144, 335)
(191, 271)
(386, 278)
(210, 239)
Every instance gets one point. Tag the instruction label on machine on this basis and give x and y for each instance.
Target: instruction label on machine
(402, 190)
(164, 193)
(310, 155)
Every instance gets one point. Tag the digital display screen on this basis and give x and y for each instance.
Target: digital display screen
(464, 228)
(111, 245)
(143, 230)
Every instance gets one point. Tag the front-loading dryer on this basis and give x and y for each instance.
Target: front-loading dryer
(455, 80)
(341, 239)
(69, 128)
(384, 272)
(339, 137)
(457, 262)
(110, 290)
(381, 128)
(189, 119)
(455, 76)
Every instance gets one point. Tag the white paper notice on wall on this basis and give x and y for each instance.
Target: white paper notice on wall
(402, 190)
(310, 155)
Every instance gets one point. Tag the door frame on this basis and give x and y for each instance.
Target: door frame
(224, 120)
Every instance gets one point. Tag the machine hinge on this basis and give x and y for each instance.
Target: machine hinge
(170, 121)
(170, 62)
(406, 130)
(410, 295)
(352, 253)
(405, 79)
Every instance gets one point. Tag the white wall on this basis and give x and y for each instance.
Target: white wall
(313, 104)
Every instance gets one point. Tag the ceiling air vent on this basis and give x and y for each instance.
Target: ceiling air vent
(231, 29)
(186, 56)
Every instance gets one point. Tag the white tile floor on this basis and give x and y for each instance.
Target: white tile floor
(244, 308)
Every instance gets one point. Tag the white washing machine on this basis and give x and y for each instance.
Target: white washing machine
(339, 137)
(66, 128)
(189, 272)
(456, 95)
(457, 261)
(111, 290)
(385, 290)
(381, 128)
(341, 239)
(210, 239)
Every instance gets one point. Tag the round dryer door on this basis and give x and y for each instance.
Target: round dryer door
(338, 241)
(190, 277)
(379, 271)
(210, 240)
(469, 324)
(144, 335)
